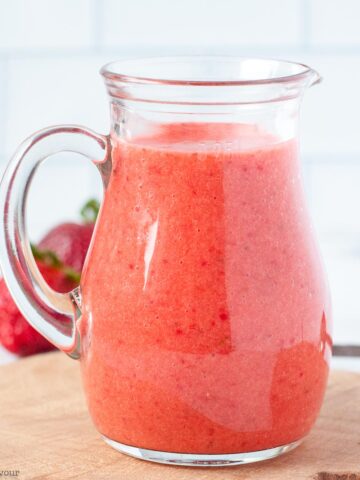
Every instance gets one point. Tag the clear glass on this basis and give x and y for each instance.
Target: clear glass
(202, 321)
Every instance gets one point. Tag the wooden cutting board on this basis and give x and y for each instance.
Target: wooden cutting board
(46, 433)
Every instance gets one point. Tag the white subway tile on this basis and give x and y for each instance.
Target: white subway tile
(342, 262)
(45, 24)
(60, 188)
(46, 92)
(330, 111)
(3, 104)
(3, 163)
(334, 22)
(201, 23)
(335, 198)
(333, 202)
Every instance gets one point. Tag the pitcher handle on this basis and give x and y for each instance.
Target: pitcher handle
(51, 313)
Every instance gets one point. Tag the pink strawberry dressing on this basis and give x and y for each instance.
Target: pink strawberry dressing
(205, 312)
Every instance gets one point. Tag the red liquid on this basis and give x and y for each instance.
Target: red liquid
(205, 309)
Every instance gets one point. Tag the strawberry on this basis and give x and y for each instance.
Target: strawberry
(59, 257)
(70, 241)
(16, 334)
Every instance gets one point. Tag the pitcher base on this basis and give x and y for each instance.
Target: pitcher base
(201, 460)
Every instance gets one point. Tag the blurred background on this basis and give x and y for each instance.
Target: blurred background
(50, 54)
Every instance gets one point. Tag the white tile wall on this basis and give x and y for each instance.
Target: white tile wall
(179, 23)
(42, 24)
(50, 91)
(50, 53)
(330, 110)
(335, 198)
(335, 23)
(60, 188)
(343, 265)
(3, 109)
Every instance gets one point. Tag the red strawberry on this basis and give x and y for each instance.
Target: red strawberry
(60, 257)
(16, 334)
(70, 241)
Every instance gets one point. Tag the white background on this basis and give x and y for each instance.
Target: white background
(51, 51)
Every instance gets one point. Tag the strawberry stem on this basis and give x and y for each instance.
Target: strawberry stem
(72, 274)
(46, 256)
(49, 258)
(90, 211)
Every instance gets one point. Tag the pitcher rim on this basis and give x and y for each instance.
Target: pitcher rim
(112, 71)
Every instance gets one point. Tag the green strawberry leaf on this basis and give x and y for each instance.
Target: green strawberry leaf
(49, 258)
(90, 211)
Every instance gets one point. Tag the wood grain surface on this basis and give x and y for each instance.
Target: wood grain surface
(46, 433)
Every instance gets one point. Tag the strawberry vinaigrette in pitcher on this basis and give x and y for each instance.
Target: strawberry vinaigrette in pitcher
(202, 318)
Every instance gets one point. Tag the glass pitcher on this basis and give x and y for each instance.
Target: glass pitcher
(202, 317)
